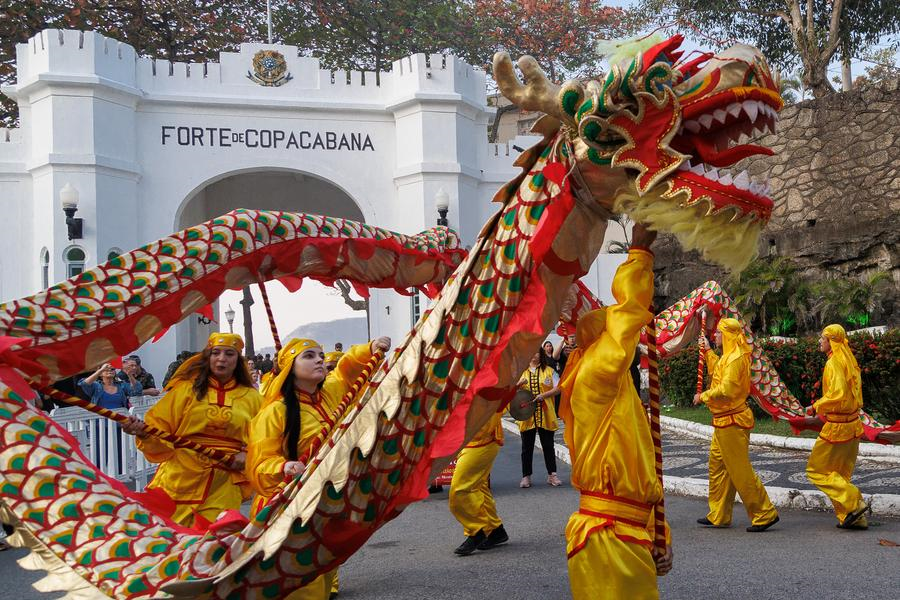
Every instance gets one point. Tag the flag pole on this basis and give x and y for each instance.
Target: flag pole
(269, 18)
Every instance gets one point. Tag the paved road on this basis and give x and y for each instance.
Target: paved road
(803, 558)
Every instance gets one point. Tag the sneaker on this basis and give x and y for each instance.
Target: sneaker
(471, 544)
(855, 526)
(526, 482)
(763, 527)
(707, 523)
(494, 538)
(553, 480)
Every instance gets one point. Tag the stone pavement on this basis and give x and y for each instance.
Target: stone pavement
(687, 456)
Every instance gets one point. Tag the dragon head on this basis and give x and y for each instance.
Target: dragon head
(652, 138)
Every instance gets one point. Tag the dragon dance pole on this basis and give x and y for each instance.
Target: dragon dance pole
(659, 514)
(342, 410)
(701, 360)
(176, 440)
(265, 297)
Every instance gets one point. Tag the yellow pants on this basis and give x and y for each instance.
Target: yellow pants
(320, 589)
(607, 567)
(829, 468)
(471, 501)
(730, 471)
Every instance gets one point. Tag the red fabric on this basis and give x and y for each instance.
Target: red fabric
(207, 312)
(291, 282)
(558, 208)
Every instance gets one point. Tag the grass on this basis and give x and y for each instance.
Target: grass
(704, 417)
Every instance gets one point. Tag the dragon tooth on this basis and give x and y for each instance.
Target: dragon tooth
(733, 109)
(751, 107)
(725, 179)
(755, 188)
(706, 121)
(742, 180)
(720, 115)
(772, 124)
(712, 175)
(692, 126)
(697, 169)
(685, 166)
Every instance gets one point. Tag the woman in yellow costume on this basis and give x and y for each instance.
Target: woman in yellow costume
(300, 399)
(210, 400)
(730, 470)
(833, 456)
(471, 500)
(609, 541)
(542, 381)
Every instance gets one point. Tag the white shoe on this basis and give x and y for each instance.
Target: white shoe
(525, 483)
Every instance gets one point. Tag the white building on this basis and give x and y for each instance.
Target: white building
(152, 147)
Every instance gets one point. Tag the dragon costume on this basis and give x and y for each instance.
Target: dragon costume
(623, 143)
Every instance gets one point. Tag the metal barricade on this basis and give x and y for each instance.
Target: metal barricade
(142, 469)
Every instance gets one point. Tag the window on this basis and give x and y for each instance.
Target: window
(74, 257)
(45, 269)
(415, 306)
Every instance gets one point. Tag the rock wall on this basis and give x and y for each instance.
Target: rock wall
(835, 181)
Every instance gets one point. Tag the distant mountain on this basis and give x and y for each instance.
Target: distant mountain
(347, 331)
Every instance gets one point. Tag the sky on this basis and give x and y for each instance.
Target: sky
(315, 302)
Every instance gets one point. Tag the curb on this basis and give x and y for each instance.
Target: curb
(867, 450)
(883, 505)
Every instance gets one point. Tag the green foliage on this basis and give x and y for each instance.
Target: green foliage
(849, 301)
(771, 295)
(800, 365)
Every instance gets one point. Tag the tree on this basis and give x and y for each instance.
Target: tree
(791, 89)
(561, 35)
(882, 68)
(850, 301)
(616, 246)
(368, 35)
(772, 295)
(789, 32)
(177, 30)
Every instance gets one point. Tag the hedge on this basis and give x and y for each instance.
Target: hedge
(800, 365)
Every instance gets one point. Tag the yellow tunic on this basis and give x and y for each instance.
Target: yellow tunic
(220, 420)
(613, 464)
(471, 500)
(538, 381)
(730, 471)
(833, 457)
(266, 454)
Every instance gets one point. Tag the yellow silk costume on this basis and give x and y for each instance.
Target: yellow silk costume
(219, 420)
(536, 383)
(609, 539)
(833, 456)
(730, 470)
(266, 454)
(471, 500)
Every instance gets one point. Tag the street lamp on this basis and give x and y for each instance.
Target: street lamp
(442, 202)
(229, 316)
(68, 197)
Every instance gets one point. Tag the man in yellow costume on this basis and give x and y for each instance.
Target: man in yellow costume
(609, 541)
(301, 400)
(730, 470)
(471, 501)
(210, 400)
(833, 456)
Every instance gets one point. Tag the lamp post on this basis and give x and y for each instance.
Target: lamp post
(246, 303)
(229, 316)
(442, 202)
(68, 197)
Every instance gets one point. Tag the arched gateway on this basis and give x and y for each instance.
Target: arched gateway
(151, 146)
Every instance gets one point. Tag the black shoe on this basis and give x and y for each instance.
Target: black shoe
(856, 515)
(763, 527)
(707, 523)
(471, 544)
(854, 526)
(494, 538)
(435, 489)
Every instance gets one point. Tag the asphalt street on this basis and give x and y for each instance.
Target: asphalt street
(804, 557)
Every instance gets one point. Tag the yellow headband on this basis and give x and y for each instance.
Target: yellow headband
(333, 356)
(227, 340)
(285, 361)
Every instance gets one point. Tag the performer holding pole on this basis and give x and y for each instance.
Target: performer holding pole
(833, 456)
(301, 400)
(730, 470)
(610, 539)
(471, 500)
(210, 400)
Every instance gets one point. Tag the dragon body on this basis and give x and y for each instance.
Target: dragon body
(615, 145)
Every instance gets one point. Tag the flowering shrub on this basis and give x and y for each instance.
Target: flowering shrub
(800, 365)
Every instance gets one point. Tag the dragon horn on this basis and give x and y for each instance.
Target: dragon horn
(538, 93)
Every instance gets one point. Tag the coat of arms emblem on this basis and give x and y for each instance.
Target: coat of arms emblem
(269, 69)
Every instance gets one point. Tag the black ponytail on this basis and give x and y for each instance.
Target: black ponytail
(291, 417)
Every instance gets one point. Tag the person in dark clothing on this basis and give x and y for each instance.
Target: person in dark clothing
(133, 363)
(173, 366)
(266, 364)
